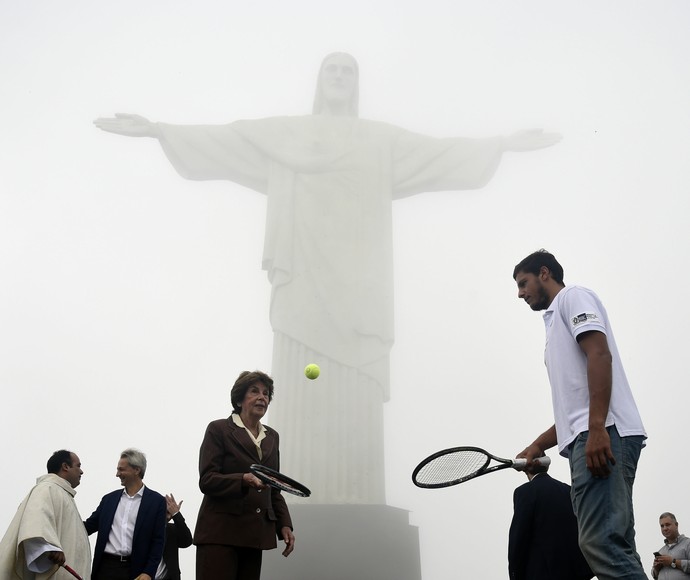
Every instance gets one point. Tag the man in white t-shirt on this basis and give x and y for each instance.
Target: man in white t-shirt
(597, 425)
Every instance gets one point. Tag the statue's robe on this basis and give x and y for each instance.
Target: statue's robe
(330, 183)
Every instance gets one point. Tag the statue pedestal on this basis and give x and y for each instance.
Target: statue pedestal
(342, 542)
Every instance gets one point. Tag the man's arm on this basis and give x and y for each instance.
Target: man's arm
(538, 447)
(103, 514)
(599, 379)
(684, 561)
(183, 534)
(91, 523)
(40, 554)
(151, 530)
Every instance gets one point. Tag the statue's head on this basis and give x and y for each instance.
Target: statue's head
(337, 89)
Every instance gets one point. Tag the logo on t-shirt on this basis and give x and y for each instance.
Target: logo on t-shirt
(584, 317)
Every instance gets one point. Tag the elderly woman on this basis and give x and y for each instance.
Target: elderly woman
(240, 516)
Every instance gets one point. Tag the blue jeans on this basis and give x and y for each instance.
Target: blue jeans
(604, 508)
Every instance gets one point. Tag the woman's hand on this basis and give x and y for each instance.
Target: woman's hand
(250, 480)
(289, 539)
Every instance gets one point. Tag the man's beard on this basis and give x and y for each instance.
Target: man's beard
(543, 302)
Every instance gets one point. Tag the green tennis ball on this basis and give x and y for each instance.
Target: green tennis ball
(312, 371)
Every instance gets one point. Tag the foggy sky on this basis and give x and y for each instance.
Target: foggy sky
(131, 298)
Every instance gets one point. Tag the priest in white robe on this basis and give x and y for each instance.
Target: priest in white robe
(330, 179)
(47, 533)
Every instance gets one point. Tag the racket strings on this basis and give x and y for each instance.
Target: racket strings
(285, 486)
(451, 467)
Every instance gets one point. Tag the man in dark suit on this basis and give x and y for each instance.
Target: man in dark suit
(543, 542)
(177, 535)
(130, 525)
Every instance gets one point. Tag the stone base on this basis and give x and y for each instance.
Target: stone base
(346, 542)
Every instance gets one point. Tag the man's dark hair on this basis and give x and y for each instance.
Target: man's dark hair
(533, 263)
(56, 460)
(242, 384)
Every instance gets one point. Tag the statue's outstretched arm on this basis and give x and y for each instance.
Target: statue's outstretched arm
(530, 140)
(128, 125)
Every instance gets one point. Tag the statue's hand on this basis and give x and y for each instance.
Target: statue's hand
(530, 139)
(127, 124)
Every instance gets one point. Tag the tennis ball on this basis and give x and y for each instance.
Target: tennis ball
(312, 371)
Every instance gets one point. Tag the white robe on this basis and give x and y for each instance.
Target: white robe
(48, 512)
(328, 251)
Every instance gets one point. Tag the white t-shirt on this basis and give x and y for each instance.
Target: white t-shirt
(573, 311)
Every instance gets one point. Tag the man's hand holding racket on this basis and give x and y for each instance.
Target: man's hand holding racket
(531, 453)
(539, 446)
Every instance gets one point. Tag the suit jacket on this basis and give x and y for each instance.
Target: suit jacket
(149, 531)
(177, 535)
(543, 539)
(231, 513)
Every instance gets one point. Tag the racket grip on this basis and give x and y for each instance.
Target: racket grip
(521, 462)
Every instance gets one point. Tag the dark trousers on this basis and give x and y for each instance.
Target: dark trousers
(216, 562)
(112, 569)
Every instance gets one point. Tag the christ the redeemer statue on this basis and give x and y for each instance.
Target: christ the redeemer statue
(330, 179)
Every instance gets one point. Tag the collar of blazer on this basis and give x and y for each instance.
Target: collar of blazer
(268, 444)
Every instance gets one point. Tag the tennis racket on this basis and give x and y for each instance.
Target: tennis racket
(460, 464)
(278, 480)
(71, 571)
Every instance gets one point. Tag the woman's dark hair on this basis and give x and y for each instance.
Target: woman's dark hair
(242, 384)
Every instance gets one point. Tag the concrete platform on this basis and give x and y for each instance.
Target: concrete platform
(346, 542)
